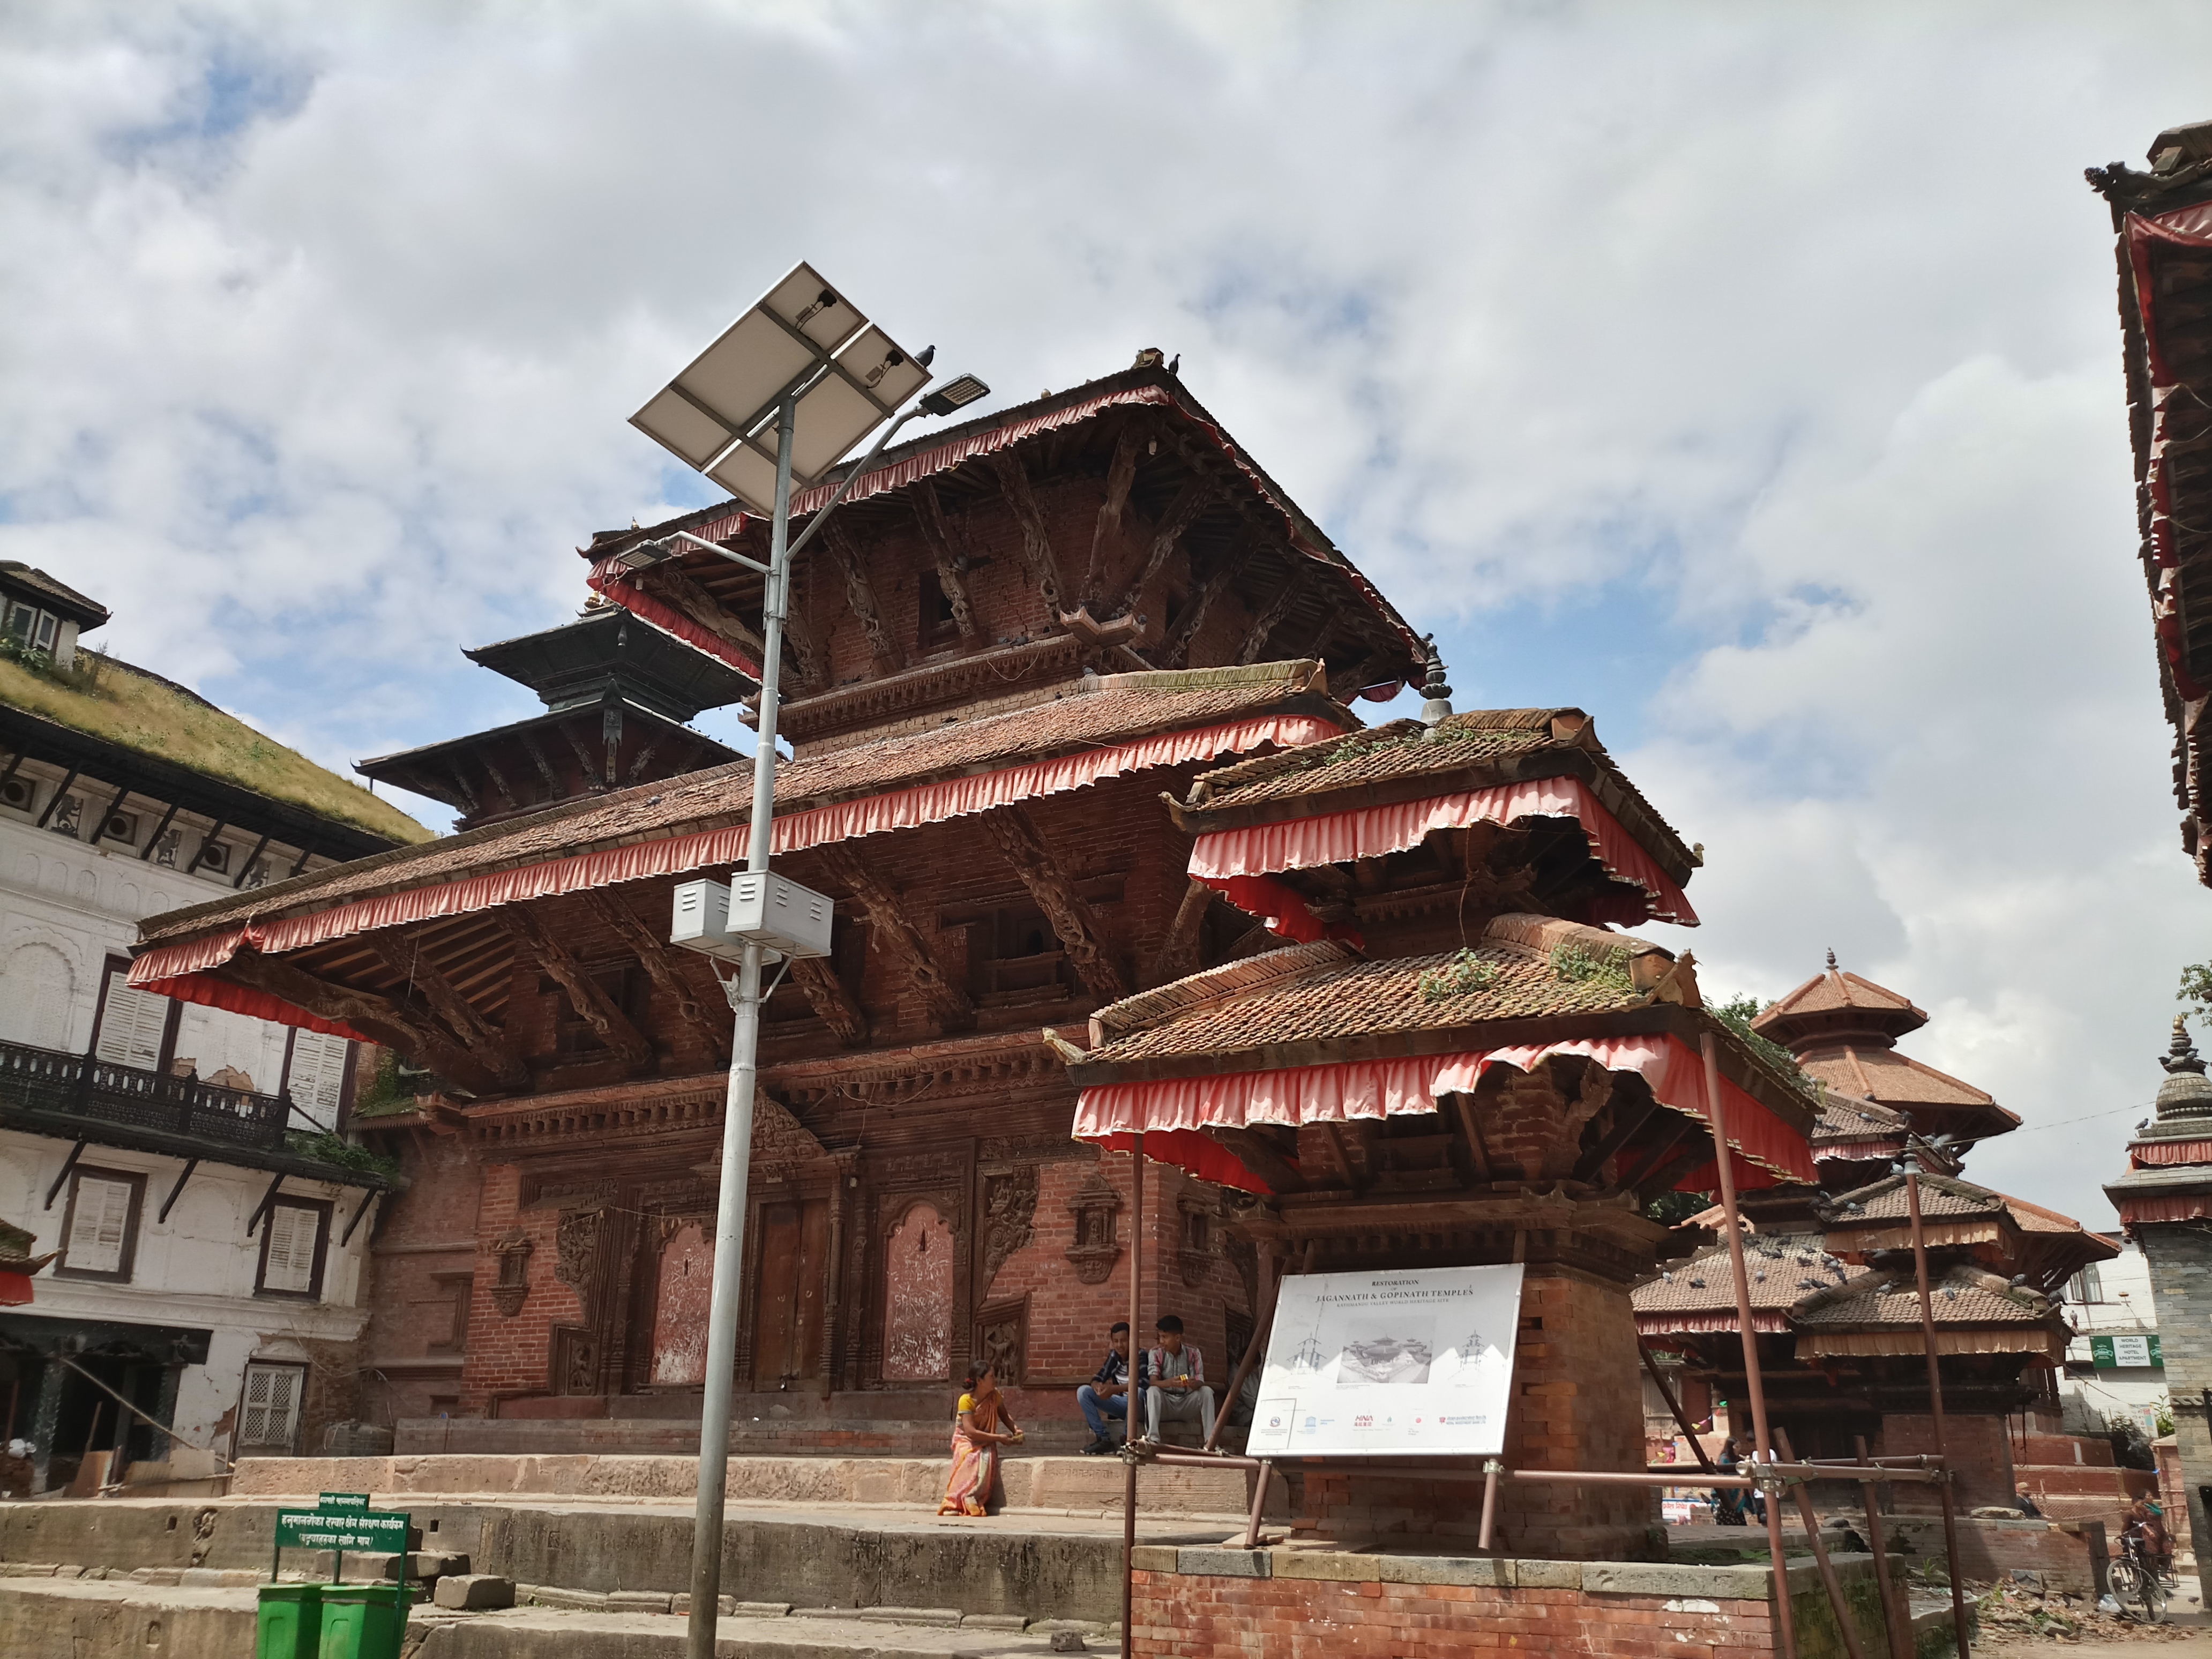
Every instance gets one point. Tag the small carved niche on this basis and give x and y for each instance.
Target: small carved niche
(1010, 1198)
(1002, 1340)
(511, 1288)
(1096, 1208)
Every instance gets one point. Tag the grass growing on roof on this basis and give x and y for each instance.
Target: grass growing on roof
(1608, 968)
(1465, 973)
(107, 699)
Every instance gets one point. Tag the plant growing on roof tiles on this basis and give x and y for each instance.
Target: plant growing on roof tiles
(1607, 969)
(1465, 973)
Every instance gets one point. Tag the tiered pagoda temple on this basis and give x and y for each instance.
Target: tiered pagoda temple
(1014, 636)
(1835, 1297)
(1068, 692)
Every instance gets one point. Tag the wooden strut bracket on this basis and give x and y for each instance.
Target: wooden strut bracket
(585, 995)
(587, 764)
(1178, 955)
(177, 1191)
(1186, 627)
(268, 1199)
(1037, 546)
(833, 1003)
(1265, 624)
(1257, 1152)
(660, 961)
(405, 956)
(1016, 836)
(545, 767)
(62, 1176)
(861, 595)
(1190, 502)
(890, 931)
(1106, 535)
(410, 1028)
(951, 557)
(683, 591)
(498, 782)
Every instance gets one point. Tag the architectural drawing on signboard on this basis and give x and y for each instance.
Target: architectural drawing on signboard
(1399, 1358)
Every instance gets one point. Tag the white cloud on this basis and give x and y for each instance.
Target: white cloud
(1791, 329)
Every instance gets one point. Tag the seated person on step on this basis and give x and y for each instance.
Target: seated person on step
(1175, 1382)
(1107, 1394)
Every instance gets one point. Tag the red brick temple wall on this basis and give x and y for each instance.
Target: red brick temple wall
(511, 1355)
(1981, 1451)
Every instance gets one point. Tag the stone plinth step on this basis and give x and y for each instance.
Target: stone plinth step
(666, 1437)
(2086, 1478)
(42, 1616)
(1055, 1484)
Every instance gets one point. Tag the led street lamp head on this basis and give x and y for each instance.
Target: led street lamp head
(956, 393)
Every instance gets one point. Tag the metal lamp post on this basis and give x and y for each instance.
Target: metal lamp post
(828, 375)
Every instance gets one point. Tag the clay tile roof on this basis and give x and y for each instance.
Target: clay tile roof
(2034, 1218)
(1846, 1118)
(1941, 1196)
(1784, 1268)
(1895, 1079)
(1397, 749)
(1076, 718)
(1339, 998)
(1962, 1295)
(1836, 1002)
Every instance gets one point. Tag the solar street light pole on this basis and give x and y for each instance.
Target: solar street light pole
(737, 1110)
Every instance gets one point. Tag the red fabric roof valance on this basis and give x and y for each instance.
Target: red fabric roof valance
(1221, 857)
(159, 969)
(1768, 1151)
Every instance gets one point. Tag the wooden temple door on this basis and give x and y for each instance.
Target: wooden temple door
(794, 1248)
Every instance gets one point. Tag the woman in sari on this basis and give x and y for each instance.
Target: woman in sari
(984, 1428)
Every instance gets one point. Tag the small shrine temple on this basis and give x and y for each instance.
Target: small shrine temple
(1835, 1296)
(2165, 1200)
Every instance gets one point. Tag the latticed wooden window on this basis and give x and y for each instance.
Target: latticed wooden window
(269, 1410)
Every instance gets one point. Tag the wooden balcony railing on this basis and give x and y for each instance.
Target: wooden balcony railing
(58, 1085)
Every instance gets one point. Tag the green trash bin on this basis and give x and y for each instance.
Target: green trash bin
(362, 1621)
(289, 1624)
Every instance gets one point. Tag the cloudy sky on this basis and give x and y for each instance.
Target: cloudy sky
(1746, 375)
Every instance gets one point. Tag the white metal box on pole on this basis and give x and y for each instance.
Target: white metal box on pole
(702, 920)
(788, 919)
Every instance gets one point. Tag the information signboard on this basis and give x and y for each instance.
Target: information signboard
(1413, 1363)
(351, 1530)
(2119, 1353)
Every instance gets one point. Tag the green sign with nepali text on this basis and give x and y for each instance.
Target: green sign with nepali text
(352, 1530)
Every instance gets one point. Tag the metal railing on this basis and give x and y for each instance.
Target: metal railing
(53, 1085)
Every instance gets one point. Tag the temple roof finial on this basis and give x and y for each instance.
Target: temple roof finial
(1831, 958)
(2181, 1054)
(1438, 707)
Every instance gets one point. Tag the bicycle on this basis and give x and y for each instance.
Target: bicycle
(2133, 1577)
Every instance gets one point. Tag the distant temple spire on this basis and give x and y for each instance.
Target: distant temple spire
(2181, 1054)
(1438, 708)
